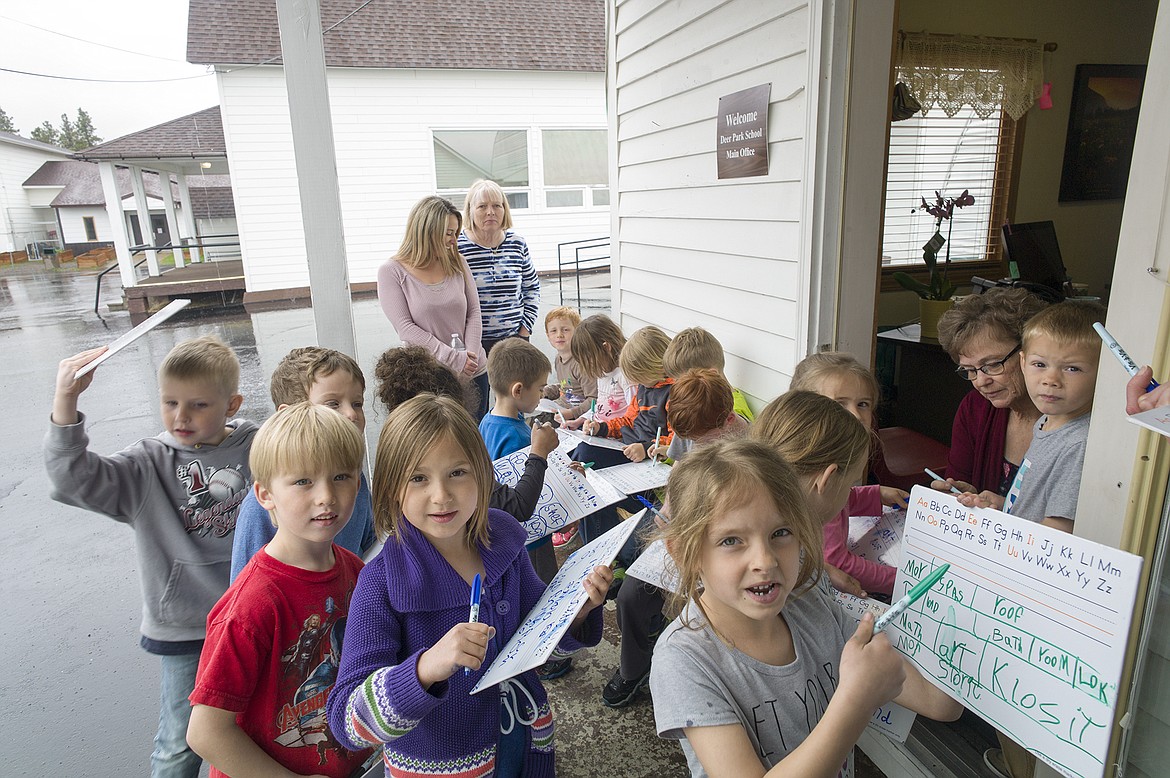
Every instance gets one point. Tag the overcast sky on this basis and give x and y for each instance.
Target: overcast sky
(153, 27)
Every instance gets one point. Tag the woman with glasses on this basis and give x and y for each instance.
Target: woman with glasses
(993, 426)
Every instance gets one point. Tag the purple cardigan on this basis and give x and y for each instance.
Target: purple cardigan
(978, 440)
(406, 599)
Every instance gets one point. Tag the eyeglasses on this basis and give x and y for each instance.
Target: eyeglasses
(991, 368)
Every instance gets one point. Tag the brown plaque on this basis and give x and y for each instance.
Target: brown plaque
(741, 141)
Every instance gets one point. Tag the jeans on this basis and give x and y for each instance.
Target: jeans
(172, 757)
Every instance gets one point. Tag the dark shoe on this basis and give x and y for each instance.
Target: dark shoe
(554, 668)
(619, 692)
(993, 758)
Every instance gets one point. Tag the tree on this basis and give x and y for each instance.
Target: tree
(84, 132)
(75, 134)
(46, 133)
(6, 124)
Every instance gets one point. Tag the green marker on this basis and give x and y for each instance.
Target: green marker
(915, 594)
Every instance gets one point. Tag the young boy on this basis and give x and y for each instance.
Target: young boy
(695, 348)
(274, 640)
(325, 377)
(573, 389)
(179, 492)
(701, 410)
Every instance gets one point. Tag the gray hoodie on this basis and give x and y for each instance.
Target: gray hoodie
(182, 503)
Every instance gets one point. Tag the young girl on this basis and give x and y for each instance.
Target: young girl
(401, 681)
(762, 672)
(846, 381)
(597, 346)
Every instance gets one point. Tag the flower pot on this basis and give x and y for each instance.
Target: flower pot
(929, 312)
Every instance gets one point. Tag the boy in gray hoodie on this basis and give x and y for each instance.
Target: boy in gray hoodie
(180, 492)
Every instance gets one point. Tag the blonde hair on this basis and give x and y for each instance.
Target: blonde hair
(1067, 323)
(597, 345)
(305, 439)
(641, 359)
(295, 375)
(515, 359)
(812, 371)
(424, 241)
(203, 359)
(481, 187)
(811, 432)
(409, 433)
(725, 475)
(692, 348)
(564, 312)
(700, 401)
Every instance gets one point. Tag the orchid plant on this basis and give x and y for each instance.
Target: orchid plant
(937, 286)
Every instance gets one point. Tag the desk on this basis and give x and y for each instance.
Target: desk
(923, 389)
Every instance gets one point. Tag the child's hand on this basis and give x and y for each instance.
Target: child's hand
(635, 452)
(843, 582)
(985, 499)
(575, 424)
(464, 645)
(68, 388)
(597, 584)
(591, 427)
(895, 498)
(872, 672)
(544, 440)
(551, 392)
(577, 468)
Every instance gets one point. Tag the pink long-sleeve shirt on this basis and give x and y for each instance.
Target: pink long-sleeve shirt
(874, 577)
(427, 314)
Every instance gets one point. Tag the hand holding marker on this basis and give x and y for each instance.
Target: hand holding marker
(913, 596)
(938, 477)
(476, 592)
(1122, 357)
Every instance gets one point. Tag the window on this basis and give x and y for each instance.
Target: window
(90, 228)
(575, 163)
(465, 156)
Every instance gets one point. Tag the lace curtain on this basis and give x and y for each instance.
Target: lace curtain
(950, 71)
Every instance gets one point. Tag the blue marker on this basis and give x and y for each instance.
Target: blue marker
(650, 507)
(476, 591)
(1122, 357)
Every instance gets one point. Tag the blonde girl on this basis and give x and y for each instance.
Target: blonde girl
(762, 673)
(400, 684)
(597, 346)
(847, 382)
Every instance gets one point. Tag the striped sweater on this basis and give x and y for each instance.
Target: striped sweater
(406, 599)
(509, 289)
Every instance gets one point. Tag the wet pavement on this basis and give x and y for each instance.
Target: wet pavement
(80, 696)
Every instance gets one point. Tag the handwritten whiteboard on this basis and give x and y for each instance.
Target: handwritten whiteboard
(1028, 628)
(634, 477)
(565, 497)
(549, 619)
(891, 719)
(878, 538)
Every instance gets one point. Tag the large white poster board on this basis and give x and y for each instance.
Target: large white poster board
(1028, 628)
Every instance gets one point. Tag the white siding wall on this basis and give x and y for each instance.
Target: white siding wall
(693, 250)
(223, 226)
(382, 122)
(19, 221)
(74, 227)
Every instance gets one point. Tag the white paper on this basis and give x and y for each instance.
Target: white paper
(549, 619)
(634, 477)
(655, 566)
(878, 538)
(1156, 419)
(1028, 628)
(891, 719)
(594, 440)
(173, 307)
(565, 497)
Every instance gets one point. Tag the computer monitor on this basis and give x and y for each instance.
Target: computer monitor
(1036, 252)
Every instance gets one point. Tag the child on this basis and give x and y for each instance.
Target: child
(1059, 356)
(325, 377)
(597, 346)
(400, 684)
(645, 417)
(574, 390)
(729, 677)
(516, 373)
(701, 410)
(180, 492)
(274, 639)
(695, 348)
(847, 382)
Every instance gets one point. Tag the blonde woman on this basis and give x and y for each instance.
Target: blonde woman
(428, 294)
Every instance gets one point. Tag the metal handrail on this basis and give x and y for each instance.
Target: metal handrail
(584, 244)
(97, 295)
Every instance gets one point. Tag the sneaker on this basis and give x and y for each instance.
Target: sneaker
(565, 537)
(554, 668)
(993, 758)
(619, 692)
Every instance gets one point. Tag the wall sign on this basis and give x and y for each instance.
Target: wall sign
(742, 133)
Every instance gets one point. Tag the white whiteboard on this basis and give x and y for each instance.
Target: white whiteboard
(1028, 628)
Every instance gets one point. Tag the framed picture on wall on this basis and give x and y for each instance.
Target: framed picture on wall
(1102, 124)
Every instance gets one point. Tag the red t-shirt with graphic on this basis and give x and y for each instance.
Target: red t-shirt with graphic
(273, 643)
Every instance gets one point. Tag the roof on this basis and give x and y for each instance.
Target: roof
(213, 203)
(566, 35)
(82, 185)
(16, 140)
(199, 134)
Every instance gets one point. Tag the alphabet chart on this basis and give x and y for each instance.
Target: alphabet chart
(1028, 627)
(891, 719)
(565, 497)
(540, 632)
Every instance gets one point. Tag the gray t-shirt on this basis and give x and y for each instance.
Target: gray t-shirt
(1050, 475)
(698, 681)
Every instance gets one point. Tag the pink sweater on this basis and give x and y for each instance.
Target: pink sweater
(426, 314)
(874, 577)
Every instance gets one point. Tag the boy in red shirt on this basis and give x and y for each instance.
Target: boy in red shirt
(274, 639)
